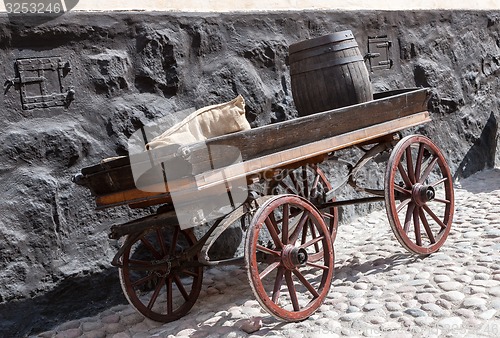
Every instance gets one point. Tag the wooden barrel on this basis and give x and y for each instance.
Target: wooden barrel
(328, 73)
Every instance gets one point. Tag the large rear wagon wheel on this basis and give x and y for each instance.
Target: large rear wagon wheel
(151, 284)
(284, 279)
(419, 195)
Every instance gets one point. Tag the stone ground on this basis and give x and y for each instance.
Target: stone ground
(378, 290)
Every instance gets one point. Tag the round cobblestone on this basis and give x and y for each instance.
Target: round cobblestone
(70, 333)
(474, 302)
(91, 326)
(453, 296)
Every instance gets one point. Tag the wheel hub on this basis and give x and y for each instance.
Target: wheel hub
(293, 257)
(423, 193)
(163, 273)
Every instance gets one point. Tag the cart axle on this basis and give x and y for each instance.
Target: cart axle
(423, 193)
(349, 202)
(293, 257)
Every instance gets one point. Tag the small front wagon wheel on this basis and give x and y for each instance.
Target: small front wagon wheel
(151, 283)
(419, 195)
(285, 281)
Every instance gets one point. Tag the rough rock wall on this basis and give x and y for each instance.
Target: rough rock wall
(132, 68)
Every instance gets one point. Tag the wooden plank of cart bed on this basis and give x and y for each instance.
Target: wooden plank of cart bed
(268, 139)
(286, 157)
(261, 164)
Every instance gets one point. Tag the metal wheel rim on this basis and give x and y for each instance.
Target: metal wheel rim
(421, 215)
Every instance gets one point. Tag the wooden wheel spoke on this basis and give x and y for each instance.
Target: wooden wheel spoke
(181, 287)
(420, 157)
(268, 270)
(142, 280)
(284, 226)
(306, 283)
(317, 266)
(294, 221)
(267, 250)
(277, 284)
(404, 175)
(151, 248)
(170, 298)
(161, 241)
(427, 228)
(444, 179)
(327, 215)
(175, 238)
(403, 204)
(402, 190)
(299, 228)
(416, 225)
(312, 241)
(305, 182)
(440, 200)
(292, 291)
(409, 165)
(190, 273)
(286, 187)
(429, 168)
(133, 262)
(409, 215)
(314, 236)
(304, 233)
(434, 217)
(274, 221)
(156, 293)
(314, 186)
(271, 226)
(295, 183)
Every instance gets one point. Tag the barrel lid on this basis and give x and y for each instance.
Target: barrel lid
(322, 40)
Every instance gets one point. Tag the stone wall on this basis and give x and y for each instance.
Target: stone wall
(131, 68)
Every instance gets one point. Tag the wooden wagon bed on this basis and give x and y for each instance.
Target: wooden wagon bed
(284, 144)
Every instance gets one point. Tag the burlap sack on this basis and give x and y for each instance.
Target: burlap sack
(207, 122)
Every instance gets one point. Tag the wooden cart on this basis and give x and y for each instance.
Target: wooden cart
(291, 224)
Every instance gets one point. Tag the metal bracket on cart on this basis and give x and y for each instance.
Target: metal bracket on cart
(249, 207)
(351, 177)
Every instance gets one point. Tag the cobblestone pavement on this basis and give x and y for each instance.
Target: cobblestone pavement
(378, 290)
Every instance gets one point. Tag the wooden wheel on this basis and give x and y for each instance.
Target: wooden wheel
(284, 279)
(153, 286)
(419, 195)
(310, 182)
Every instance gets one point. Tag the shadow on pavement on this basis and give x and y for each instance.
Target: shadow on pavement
(74, 298)
(372, 267)
(483, 182)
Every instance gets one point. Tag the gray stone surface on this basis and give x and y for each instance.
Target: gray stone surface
(129, 69)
